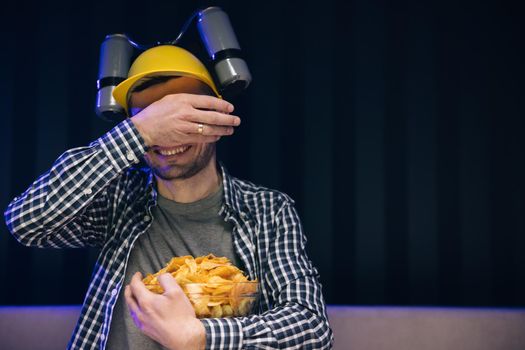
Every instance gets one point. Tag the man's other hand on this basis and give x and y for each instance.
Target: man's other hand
(168, 318)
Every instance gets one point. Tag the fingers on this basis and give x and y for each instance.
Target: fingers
(175, 119)
(209, 102)
(176, 295)
(133, 306)
(210, 130)
(214, 118)
(138, 289)
(193, 129)
(130, 300)
(169, 284)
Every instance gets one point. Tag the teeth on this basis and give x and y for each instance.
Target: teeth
(171, 152)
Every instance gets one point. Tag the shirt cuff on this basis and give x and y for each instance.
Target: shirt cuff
(223, 333)
(123, 145)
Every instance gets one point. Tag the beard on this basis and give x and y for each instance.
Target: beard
(182, 171)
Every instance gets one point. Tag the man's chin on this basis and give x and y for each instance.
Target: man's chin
(172, 174)
(178, 172)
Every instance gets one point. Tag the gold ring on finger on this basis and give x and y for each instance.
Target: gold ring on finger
(200, 128)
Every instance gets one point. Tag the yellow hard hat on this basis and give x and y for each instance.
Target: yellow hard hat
(162, 60)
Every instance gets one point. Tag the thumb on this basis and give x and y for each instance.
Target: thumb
(169, 284)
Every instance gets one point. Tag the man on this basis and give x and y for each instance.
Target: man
(183, 203)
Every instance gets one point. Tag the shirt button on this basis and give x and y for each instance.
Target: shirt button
(88, 191)
(114, 292)
(130, 156)
(147, 218)
(102, 337)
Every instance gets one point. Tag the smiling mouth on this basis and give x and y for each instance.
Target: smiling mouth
(166, 152)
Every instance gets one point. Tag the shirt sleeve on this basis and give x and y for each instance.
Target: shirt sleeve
(298, 318)
(68, 205)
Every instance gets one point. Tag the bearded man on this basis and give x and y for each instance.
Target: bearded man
(182, 203)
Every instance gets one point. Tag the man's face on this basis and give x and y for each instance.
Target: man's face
(178, 161)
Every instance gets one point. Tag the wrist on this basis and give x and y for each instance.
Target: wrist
(198, 340)
(139, 125)
(195, 337)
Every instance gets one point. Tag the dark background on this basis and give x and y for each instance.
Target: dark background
(397, 126)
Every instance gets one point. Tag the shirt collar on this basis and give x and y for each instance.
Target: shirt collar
(232, 198)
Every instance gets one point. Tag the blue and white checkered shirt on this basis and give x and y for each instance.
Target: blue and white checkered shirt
(94, 196)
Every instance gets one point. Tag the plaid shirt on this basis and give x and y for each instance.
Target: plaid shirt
(95, 196)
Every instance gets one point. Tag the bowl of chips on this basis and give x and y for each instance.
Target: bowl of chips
(214, 286)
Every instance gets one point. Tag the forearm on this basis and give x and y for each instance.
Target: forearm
(73, 182)
(290, 326)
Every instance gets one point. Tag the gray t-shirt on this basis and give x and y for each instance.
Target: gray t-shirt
(177, 229)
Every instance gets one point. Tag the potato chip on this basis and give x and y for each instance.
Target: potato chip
(244, 307)
(216, 311)
(193, 288)
(227, 310)
(208, 265)
(224, 289)
(224, 271)
(201, 309)
(176, 263)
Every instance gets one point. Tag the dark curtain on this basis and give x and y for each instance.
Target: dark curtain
(397, 126)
